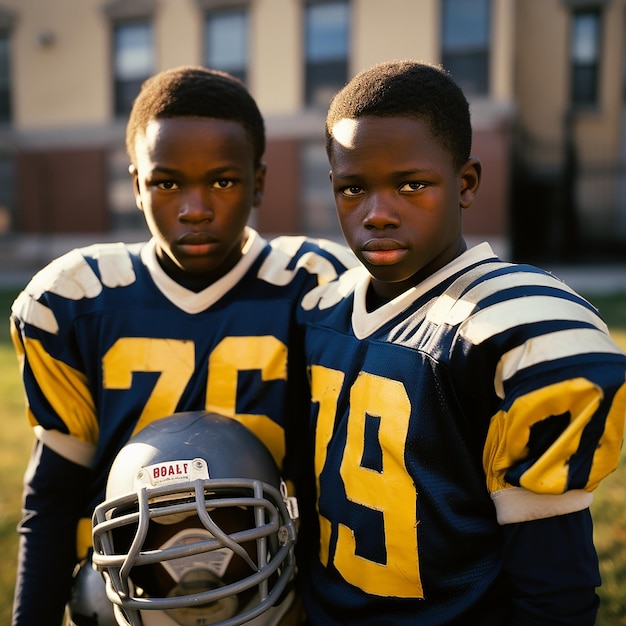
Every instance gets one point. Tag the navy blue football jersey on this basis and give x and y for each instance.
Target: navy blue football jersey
(108, 343)
(489, 394)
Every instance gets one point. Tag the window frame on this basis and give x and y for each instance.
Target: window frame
(125, 90)
(585, 74)
(460, 58)
(120, 13)
(217, 10)
(323, 77)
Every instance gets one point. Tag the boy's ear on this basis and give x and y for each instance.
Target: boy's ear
(132, 170)
(470, 175)
(259, 184)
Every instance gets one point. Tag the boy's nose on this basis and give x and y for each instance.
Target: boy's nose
(195, 207)
(380, 213)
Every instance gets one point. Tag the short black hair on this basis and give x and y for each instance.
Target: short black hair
(408, 89)
(191, 91)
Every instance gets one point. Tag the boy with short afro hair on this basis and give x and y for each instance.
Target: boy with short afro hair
(114, 336)
(441, 104)
(464, 408)
(184, 92)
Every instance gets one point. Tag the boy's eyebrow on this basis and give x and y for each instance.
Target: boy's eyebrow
(162, 169)
(417, 171)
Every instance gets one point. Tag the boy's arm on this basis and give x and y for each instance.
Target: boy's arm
(54, 486)
(47, 552)
(553, 570)
(557, 436)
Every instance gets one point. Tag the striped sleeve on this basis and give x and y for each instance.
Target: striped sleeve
(560, 384)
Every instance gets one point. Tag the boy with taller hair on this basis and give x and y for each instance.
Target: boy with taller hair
(464, 408)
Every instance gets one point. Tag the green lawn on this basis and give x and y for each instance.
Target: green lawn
(609, 506)
(16, 439)
(15, 443)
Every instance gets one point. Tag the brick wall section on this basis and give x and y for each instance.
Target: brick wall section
(62, 191)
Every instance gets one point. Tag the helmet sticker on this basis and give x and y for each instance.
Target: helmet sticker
(171, 472)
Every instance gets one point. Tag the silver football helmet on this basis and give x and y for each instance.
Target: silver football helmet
(197, 527)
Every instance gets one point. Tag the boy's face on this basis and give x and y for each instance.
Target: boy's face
(195, 180)
(399, 198)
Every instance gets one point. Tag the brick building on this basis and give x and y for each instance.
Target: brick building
(545, 79)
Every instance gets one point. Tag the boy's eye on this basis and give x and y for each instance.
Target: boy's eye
(353, 190)
(412, 186)
(223, 183)
(167, 185)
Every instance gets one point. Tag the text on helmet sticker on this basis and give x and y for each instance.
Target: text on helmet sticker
(171, 472)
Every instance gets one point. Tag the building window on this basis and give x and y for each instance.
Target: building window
(133, 61)
(226, 41)
(585, 57)
(5, 78)
(326, 50)
(465, 43)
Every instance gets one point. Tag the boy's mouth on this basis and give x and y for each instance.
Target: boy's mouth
(196, 244)
(196, 239)
(383, 251)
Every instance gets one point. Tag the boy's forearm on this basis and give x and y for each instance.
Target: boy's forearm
(47, 554)
(43, 581)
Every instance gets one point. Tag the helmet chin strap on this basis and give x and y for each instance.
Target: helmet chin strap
(271, 617)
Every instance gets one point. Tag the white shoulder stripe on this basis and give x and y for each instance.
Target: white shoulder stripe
(69, 276)
(114, 264)
(287, 243)
(38, 315)
(526, 310)
(451, 310)
(276, 268)
(328, 295)
(550, 347)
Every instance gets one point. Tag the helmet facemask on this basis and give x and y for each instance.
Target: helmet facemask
(196, 548)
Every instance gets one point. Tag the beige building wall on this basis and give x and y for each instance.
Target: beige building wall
(541, 77)
(502, 59)
(178, 32)
(394, 29)
(276, 69)
(60, 70)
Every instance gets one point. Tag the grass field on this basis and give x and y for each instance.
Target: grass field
(609, 507)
